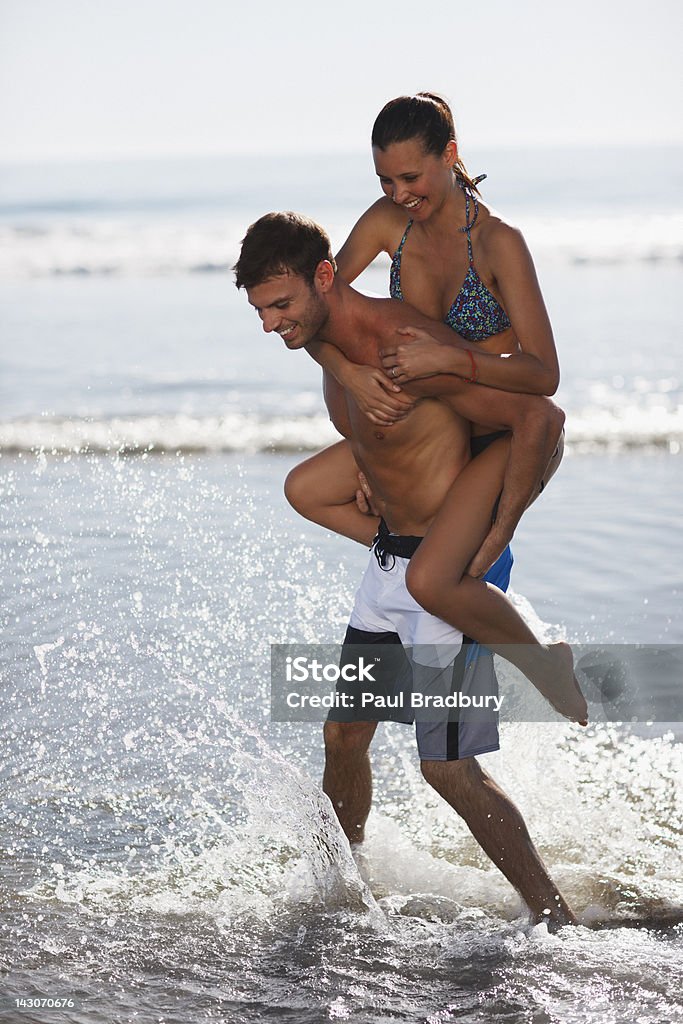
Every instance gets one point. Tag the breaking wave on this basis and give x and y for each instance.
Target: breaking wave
(590, 430)
(68, 246)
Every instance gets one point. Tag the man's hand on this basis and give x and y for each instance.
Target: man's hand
(376, 395)
(531, 449)
(421, 355)
(492, 548)
(364, 501)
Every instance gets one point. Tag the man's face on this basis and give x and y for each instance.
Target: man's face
(290, 306)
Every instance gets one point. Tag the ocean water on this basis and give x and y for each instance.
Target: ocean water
(167, 854)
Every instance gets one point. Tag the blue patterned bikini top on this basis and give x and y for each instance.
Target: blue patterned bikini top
(475, 313)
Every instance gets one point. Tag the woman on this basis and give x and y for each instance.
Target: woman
(431, 223)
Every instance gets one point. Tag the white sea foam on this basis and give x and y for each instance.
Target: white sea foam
(624, 237)
(596, 428)
(172, 433)
(139, 246)
(112, 246)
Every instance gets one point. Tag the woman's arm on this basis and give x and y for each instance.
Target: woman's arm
(376, 396)
(426, 353)
(438, 349)
(536, 366)
(369, 236)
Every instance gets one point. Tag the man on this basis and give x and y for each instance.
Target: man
(288, 271)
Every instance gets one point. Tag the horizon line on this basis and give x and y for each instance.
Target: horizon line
(152, 157)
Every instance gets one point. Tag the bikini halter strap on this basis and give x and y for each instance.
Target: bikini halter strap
(469, 224)
(403, 240)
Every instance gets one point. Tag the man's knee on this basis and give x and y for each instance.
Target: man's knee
(348, 739)
(451, 776)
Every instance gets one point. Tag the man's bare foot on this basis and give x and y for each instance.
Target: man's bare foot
(556, 914)
(556, 918)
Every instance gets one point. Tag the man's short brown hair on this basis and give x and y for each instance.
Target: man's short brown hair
(281, 243)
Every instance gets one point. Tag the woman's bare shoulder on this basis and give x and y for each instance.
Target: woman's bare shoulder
(378, 230)
(387, 221)
(500, 238)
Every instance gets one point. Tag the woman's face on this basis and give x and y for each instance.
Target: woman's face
(418, 181)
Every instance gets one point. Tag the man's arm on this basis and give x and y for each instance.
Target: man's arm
(535, 423)
(337, 408)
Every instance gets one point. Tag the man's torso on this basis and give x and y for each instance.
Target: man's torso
(411, 464)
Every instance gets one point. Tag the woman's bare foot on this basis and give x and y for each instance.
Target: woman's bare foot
(551, 669)
(559, 685)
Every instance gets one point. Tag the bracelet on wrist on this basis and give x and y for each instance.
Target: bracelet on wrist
(475, 373)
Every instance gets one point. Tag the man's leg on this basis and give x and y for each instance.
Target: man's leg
(499, 828)
(347, 779)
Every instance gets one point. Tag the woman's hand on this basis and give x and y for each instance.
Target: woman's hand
(377, 397)
(420, 356)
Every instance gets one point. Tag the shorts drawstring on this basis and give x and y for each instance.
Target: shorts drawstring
(379, 549)
(387, 545)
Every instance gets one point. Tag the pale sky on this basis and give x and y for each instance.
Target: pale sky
(126, 78)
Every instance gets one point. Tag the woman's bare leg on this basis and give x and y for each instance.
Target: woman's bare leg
(437, 579)
(323, 489)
